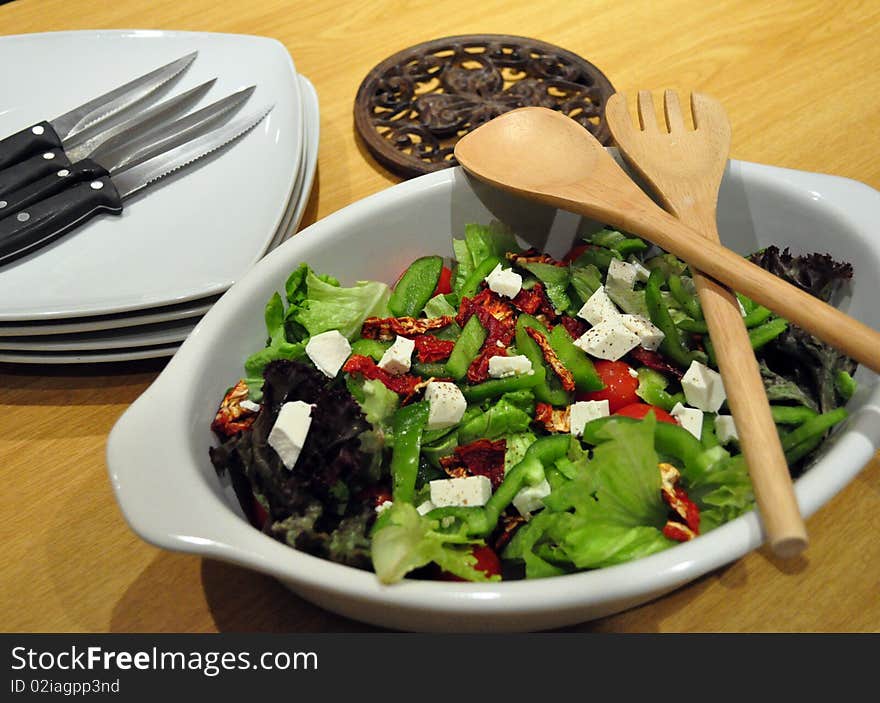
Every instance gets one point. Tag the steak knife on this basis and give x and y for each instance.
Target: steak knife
(61, 132)
(34, 227)
(125, 149)
(54, 160)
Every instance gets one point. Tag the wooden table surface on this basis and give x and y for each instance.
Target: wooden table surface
(801, 85)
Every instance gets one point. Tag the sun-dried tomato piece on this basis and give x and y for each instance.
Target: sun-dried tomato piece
(231, 418)
(481, 457)
(677, 498)
(485, 305)
(498, 318)
(478, 371)
(533, 256)
(655, 360)
(429, 348)
(385, 328)
(552, 419)
(565, 377)
(405, 385)
(510, 523)
(533, 301)
(573, 326)
(678, 532)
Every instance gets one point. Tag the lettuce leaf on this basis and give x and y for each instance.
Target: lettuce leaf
(376, 400)
(609, 512)
(620, 484)
(308, 504)
(516, 447)
(329, 307)
(403, 541)
(484, 241)
(720, 486)
(585, 280)
(315, 303)
(438, 306)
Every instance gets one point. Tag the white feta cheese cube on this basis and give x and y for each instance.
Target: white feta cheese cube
(642, 274)
(531, 498)
(328, 351)
(650, 336)
(425, 508)
(288, 435)
(397, 358)
(446, 404)
(504, 366)
(383, 507)
(622, 274)
(725, 429)
(598, 308)
(506, 282)
(608, 340)
(689, 418)
(465, 492)
(583, 411)
(250, 406)
(703, 387)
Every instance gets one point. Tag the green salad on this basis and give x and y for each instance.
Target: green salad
(505, 414)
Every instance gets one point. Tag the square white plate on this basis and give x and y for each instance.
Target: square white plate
(188, 238)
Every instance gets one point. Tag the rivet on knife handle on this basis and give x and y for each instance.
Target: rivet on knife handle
(32, 169)
(50, 185)
(34, 227)
(19, 146)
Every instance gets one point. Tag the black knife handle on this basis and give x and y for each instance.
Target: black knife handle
(36, 226)
(32, 169)
(17, 147)
(47, 186)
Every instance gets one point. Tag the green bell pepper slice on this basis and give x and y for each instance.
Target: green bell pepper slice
(415, 287)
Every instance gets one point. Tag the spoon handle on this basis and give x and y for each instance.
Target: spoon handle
(829, 324)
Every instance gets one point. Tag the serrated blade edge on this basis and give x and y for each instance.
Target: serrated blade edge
(132, 128)
(72, 123)
(139, 177)
(120, 152)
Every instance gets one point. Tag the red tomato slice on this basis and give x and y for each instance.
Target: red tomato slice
(444, 285)
(487, 562)
(620, 385)
(639, 410)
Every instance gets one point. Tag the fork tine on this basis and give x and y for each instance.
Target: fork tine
(672, 108)
(709, 114)
(618, 118)
(647, 114)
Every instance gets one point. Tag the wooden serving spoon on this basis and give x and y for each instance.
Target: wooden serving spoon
(684, 168)
(543, 155)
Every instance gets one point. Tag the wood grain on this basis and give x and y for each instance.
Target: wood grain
(800, 84)
(684, 168)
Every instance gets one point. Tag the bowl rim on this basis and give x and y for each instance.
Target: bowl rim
(214, 530)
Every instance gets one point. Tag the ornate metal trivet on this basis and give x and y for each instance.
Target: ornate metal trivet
(413, 107)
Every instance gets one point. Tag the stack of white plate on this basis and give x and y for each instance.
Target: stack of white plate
(134, 286)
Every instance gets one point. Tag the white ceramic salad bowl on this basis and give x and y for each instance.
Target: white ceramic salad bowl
(171, 496)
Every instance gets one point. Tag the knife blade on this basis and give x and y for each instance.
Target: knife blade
(54, 160)
(62, 131)
(123, 150)
(36, 226)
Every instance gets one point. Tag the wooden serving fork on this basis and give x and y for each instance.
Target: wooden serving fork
(684, 168)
